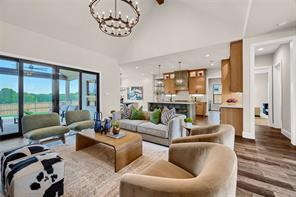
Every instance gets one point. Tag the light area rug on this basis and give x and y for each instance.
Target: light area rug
(90, 172)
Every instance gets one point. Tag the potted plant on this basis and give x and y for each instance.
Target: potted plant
(115, 127)
(188, 122)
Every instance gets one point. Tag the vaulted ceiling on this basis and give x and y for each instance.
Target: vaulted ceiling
(175, 26)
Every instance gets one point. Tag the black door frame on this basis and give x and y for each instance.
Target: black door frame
(55, 88)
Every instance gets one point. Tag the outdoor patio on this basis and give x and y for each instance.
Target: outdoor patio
(9, 126)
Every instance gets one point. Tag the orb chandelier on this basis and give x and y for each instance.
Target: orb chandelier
(114, 23)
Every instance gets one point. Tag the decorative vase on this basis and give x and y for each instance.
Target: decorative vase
(107, 126)
(188, 124)
(116, 130)
(98, 122)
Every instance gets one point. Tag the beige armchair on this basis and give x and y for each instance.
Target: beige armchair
(194, 169)
(222, 134)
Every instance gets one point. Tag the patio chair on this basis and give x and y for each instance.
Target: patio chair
(63, 110)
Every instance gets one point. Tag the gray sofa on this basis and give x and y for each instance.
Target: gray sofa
(156, 133)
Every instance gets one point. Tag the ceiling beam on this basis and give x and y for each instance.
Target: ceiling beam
(160, 2)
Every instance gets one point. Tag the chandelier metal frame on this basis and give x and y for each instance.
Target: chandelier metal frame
(114, 24)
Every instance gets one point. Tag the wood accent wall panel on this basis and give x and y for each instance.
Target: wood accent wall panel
(234, 117)
(236, 66)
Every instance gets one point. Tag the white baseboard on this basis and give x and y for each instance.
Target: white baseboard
(286, 133)
(248, 135)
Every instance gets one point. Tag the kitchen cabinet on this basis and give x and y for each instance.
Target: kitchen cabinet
(197, 81)
(201, 108)
(236, 66)
(169, 83)
(234, 117)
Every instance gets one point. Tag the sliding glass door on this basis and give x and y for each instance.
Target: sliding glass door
(89, 92)
(68, 91)
(9, 97)
(38, 89)
(28, 87)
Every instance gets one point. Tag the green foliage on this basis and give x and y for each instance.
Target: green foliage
(115, 123)
(8, 96)
(189, 120)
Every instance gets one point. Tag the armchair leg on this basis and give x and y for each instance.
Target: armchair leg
(34, 142)
(63, 139)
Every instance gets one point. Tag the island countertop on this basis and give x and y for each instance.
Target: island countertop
(176, 102)
(186, 108)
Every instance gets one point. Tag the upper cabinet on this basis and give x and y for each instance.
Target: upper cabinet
(197, 81)
(193, 81)
(181, 80)
(169, 83)
(236, 66)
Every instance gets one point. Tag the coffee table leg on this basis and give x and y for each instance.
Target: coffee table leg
(83, 142)
(127, 154)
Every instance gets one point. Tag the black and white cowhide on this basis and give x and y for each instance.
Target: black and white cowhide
(39, 175)
(17, 154)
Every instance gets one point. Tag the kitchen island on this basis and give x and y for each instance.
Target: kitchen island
(185, 108)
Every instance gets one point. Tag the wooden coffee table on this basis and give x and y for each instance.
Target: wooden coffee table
(127, 149)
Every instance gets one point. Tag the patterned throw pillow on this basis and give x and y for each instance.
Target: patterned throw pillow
(167, 115)
(127, 111)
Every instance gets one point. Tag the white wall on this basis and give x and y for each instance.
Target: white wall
(248, 79)
(19, 42)
(133, 77)
(282, 56)
(179, 26)
(261, 89)
(264, 60)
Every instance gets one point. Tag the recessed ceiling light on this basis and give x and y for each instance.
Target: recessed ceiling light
(282, 23)
(212, 64)
(137, 67)
(207, 55)
(260, 49)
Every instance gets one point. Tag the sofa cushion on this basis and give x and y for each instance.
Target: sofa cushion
(166, 169)
(158, 130)
(78, 126)
(167, 115)
(155, 116)
(137, 114)
(130, 124)
(127, 111)
(46, 132)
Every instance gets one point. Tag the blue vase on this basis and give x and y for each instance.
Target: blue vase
(98, 122)
(107, 125)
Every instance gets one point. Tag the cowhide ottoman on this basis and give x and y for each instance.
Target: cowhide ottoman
(18, 153)
(34, 175)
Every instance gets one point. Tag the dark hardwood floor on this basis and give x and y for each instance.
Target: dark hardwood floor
(266, 166)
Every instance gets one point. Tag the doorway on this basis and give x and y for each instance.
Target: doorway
(281, 108)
